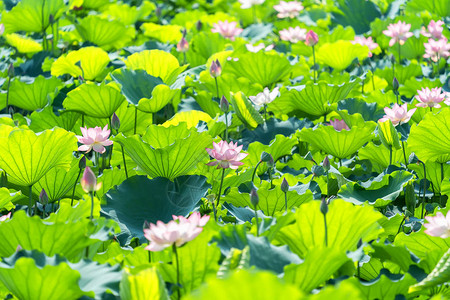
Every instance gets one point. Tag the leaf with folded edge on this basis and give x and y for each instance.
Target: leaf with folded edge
(439, 275)
(245, 111)
(23, 44)
(142, 284)
(98, 101)
(340, 55)
(47, 119)
(35, 95)
(7, 198)
(26, 157)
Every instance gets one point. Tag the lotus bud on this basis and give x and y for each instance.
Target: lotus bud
(115, 122)
(284, 186)
(413, 159)
(82, 163)
(311, 38)
(395, 85)
(11, 72)
(216, 69)
(224, 104)
(308, 156)
(89, 181)
(326, 164)
(317, 170)
(324, 206)
(199, 25)
(51, 19)
(43, 197)
(146, 224)
(11, 110)
(183, 45)
(265, 157)
(254, 197)
(270, 163)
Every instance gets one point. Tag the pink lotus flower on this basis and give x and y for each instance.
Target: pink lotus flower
(258, 47)
(339, 125)
(398, 33)
(288, 9)
(363, 41)
(226, 155)
(249, 3)
(438, 225)
(227, 29)
(2, 28)
(177, 232)
(311, 38)
(89, 181)
(183, 45)
(216, 69)
(398, 114)
(437, 49)
(430, 98)
(94, 138)
(293, 35)
(5, 217)
(265, 97)
(434, 30)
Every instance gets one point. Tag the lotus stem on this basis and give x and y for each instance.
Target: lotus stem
(217, 87)
(390, 155)
(314, 60)
(256, 168)
(7, 96)
(92, 206)
(404, 154)
(44, 34)
(124, 162)
(30, 200)
(184, 58)
(256, 219)
(424, 187)
(226, 127)
(220, 192)
(254, 14)
(285, 201)
(401, 223)
(440, 186)
(373, 75)
(397, 97)
(82, 120)
(174, 249)
(74, 186)
(399, 54)
(135, 118)
(326, 229)
(265, 112)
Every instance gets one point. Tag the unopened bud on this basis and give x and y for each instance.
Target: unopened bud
(158, 11)
(326, 164)
(270, 163)
(265, 157)
(311, 38)
(183, 45)
(115, 122)
(410, 197)
(308, 156)
(224, 104)
(146, 224)
(89, 181)
(82, 163)
(43, 197)
(11, 72)
(284, 186)
(395, 85)
(324, 206)
(199, 25)
(216, 69)
(317, 170)
(254, 197)
(413, 159)
(51, 19)
(11, 110)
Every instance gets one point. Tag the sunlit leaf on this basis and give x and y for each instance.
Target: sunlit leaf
(23, 44)
(146, 284)
(340, 55)
(163, 33)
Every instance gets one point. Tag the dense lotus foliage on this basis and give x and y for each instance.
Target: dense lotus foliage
(222, 149)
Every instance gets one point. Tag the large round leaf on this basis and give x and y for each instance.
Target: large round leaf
(430, 140)
(23, 44)
(340, 55)
(35, 95)
(27, 157)
(99, 101)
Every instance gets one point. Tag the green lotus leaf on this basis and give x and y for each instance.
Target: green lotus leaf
(340, 144)
(396, 254)
(265, 69)
(145, 284)
(203, 99)
(402, 73)
(27, 157)
(156, 63)
(7, 198)
(95, 4)
(127, 14)
(58, 181)
(314, 99)
(357, 14)
(439, 7)
(340, 55)
(191, 118)
(98, 101)
(245, 111)
(32, 15)
(35, 95)
(379, 191)
(105, 33)
(344, 290)
(412, 85)
(433, 174)
(203, 46)
(152, 200)
(350, 223)
(164, 33)
(93, 62)
(46, 119)
(167, 152)
(270, 200)
(319, 265)
(65, 237)
(247, 285)
(161, 96)
(23, 44)
(379, 155)
(439, 275)
(388, 135)
(430, 139)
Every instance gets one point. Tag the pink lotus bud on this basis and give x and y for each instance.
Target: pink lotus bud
(43, 197)
(254, 197)
(115, 122)
(311, 38)
(326, 164)
(224, 104)
(284, 186)
(89, 181)
(216, 69)
(183, 45)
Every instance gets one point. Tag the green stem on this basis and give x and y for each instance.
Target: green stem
(184, 58)
(74, 187)
(265, 112)
(404, 154)
(30, 200)
(390, 155)
(124, 162)
(424, 187)
(7, 95)
(373, 75)
(220, 192)
(269, 171)
(442, 179)
(82, 120)
(44, 34)
(285, 201)
(256, 219)
(226, 127)
(217, 87)
(92, 205)
(397, 96)
(256, 168)
(401, 223)
(254, 14)
(314, 66)
(135, 118)
(326, 229)
(399, 55)
(174, 249)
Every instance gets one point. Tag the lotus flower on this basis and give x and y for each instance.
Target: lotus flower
(94, 138)
(227, 29)
(434, 30)
(265, 97)
(293, 35)
(398, 33)
(249, 3)
(398, 114)
(183, 45)
(2, 28)
(89, 181)
(177, 232)
(338, 125)
(438, 225)
(363, 41)
(288, 9)
(216, 69)
(5, 217)
(437, 49)
(226, 155)
(311, 38)
(430, 98)
(258, 47)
